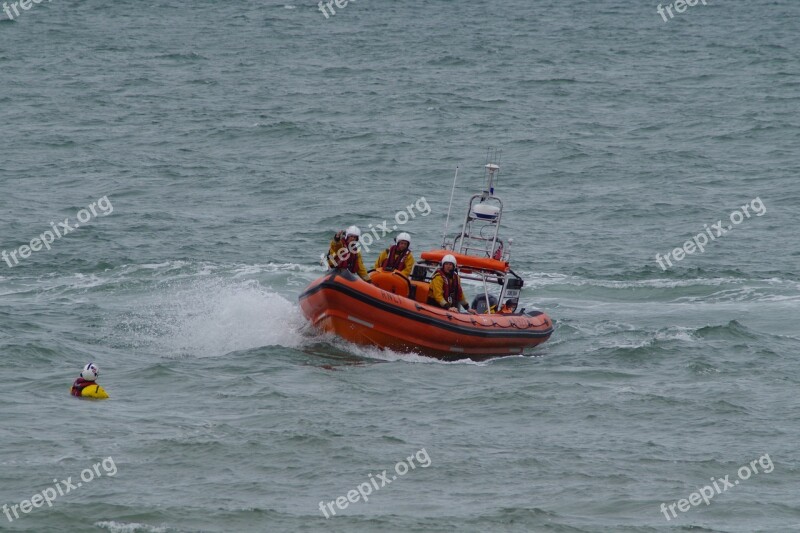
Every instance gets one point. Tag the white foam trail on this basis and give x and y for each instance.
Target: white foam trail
(132, 527)
(277, 267)
(543, 279)
(211, 317)
(373, 352)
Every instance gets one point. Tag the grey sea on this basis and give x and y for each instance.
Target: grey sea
(171, 172)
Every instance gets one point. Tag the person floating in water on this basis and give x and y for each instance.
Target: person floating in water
(85, 386)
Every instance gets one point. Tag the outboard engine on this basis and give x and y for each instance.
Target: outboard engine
(479, 303)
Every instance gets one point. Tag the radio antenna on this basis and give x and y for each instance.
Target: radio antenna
(447, 222)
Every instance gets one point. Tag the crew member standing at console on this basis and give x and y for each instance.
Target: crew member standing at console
(344, 253)
(397, 257)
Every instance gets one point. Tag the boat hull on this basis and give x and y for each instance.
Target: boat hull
(359, 312)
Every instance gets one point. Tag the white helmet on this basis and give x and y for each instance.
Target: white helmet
(449, 259)
(90, 372)
(352, 231)
(403, 237)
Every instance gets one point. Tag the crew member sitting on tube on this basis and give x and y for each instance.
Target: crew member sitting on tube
(344, 253)
(397, 257)
(445, 287)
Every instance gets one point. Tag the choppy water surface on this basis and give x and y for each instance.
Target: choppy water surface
(231, 139)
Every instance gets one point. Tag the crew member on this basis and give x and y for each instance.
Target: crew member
(508, 307)
(398, 256)
(344, 253)
(85, 386)
(445, 288)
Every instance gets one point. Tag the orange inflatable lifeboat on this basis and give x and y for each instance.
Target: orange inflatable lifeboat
(392, 311)
(342, 303)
